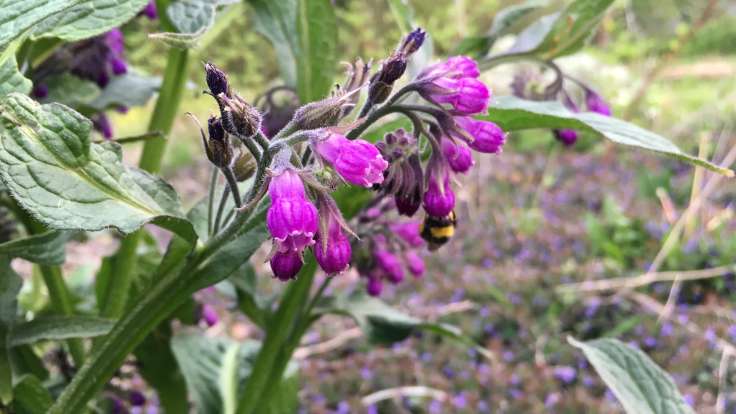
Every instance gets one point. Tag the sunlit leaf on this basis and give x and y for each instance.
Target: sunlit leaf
(59, 327)
(639, 384)
(30, 396)
(317, 31)
(88, 18)
(11, 80)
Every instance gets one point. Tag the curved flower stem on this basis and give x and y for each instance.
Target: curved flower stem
(233, 184)
(221, 209)
(211, 199)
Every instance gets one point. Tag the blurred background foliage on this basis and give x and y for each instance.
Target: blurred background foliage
(547, 216)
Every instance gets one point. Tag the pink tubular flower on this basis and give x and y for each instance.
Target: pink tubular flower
(415, 263)
(390, 264)
(358, 162)
(286, 265)
(333, 250)
(455, 82)
(409, 232)
(292, 218)
(458, 155)
(439, 199)
(487, 136)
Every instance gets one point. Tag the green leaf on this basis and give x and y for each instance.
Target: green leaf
(64, 181)
(159, 368)
(71, 90)
(504, 23)
(317, 57)
(57, 327)
(10, 284)
(276, 21)
(403, 14)
(88, 18)
(11, 80)
(638, 383)
(561, 33)
(253, 305)
(17, 17)
(191, 16)
(514, 114)
(46, 248)
(130, 89)
(30, 396)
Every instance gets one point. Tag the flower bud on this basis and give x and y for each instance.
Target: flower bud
(101, 123)
(216, 80)
(244, 167)
(358, 161)
(136, 398)
(332, 250)
(119, 67)
(150, 10)
(40, 90)
(487, 136)
(458, 155)
(413, 41)
(409, 232)
(455, 82)
(415, 263)
(439, 199)
(389, 263)
(238, 117)
(208, 314)
(566, 136)
(319, 114)
(374, 286)
(217, 148)
(595, 103)
(286, 265)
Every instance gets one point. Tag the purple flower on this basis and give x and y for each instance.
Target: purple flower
(595, 103)
(332, 250)
(292, 218)
(389, 263)
(439, 199)
(136, 398)
(358, 162)
(458, 155)
(409, 232)
(209, 315)
(119, 67)
(565, 373)
(101, 123)
(285, 265)
(375, 286)
(40, 90)
(566, 136)
(114, 40)
(415, 263)
(455, 82)
(487, 136)
(150, 10)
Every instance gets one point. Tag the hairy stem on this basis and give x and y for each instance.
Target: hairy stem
(211, 199)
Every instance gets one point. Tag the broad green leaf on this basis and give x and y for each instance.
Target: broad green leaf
(561, 33)
(11, 80)
(252, 304)
(161, 371)
(229, 379)
(57, 327)
(17, 17)
(25, 361)
(88, 19)
(46, 248)
(276, 20)
(71, 90)
(503, 23)
(30, 396)
(514, 114)
(130, 89)
(191, 16)
(639, 384)
(317, 57)
(10, 284)
(179, 40)
(66, 182)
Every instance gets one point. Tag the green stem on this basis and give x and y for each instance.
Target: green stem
(211, 199)
(121, 278)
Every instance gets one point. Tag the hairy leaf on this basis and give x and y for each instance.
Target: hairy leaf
(10, 284)
(51, 168)
(513, 114)
(30, 396)
(71, 90)
(47, 248)
(59, 327)
(276, 20)
(11, 80)
(639, 384)
(317, 29)
(191, 16)
(88, 19)
(130, 89)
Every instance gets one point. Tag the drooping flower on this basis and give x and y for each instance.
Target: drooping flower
(414, 263)
(404, 176)
(439, 199)
(595, 103)
(332, 248)
(358, 161)
(101, 123)
(487, 137)
(458, 155)
(408, 231)
(455, 82)
(292, 218)
(389, 263)
(374, 286)
(286, 265)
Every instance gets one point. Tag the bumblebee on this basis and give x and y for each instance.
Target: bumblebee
(436, 231)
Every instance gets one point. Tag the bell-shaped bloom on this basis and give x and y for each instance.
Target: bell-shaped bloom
(389, 263)
(595, 103)
(286, 265)
(292, 218)
(458, 155)
(408, 231)
(332, 250)
(455, 82)
(487, 137)
(566, 136)
(374, 286)
(414, 263)
(358, 161)
(439, 199)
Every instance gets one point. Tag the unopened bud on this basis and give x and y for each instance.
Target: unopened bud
(319, 114)
(238, 117)
(217, 148)
(216, 80)
(413, 41)
(244, 166)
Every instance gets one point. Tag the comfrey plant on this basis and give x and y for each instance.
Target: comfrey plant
(360, 179)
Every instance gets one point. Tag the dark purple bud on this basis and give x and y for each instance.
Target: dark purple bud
(102, 124)
(102, 79)
(150, 10)
(286, 265)
(40, 90)
(119, 67)
(390, 264)
(374, 286)
(415, 263)
(217, 148)
(214, 127)
(413, 41)
(136, 398)
(216, 80)
(114, 40)
(566, 136)
(595, 103)
(209, 315)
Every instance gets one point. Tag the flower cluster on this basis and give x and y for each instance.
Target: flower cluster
(98, 60)
(524, 85)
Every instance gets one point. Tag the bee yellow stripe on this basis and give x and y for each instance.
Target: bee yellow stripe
(440, 232)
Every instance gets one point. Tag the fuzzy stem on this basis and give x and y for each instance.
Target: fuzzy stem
(211, 199)
(233, 184)
(221, 208)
